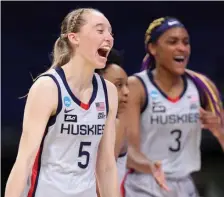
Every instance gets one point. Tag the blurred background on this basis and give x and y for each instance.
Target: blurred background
(29, 30)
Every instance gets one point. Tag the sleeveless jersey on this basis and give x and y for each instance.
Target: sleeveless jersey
(66, 161)
(171, 129)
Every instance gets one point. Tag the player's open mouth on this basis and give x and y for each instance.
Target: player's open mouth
(103, 51)
(179, 58)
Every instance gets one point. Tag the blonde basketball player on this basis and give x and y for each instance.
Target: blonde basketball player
(69, 118)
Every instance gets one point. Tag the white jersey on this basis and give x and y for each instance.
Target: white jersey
(65, 163)
(170, 129)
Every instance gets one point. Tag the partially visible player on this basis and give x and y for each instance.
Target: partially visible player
(167, 108)
(114, 73)
(64, 142)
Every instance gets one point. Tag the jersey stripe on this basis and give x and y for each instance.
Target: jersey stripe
(36, 167)
(146, 93)
(106, 94)
(34, 175)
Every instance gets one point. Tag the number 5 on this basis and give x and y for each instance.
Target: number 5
(84, 153)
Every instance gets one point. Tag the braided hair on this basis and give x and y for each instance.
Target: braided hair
(210, 96)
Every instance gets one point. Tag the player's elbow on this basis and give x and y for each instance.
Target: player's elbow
(133, 156)
(133, 151)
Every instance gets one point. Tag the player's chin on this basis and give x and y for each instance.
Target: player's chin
(121, 107)
(100, 65)
(100, 62)
(178, 69)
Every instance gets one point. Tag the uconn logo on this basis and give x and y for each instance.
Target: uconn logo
(67, 101)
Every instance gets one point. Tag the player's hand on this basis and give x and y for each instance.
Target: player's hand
(210, 121)
(159, 175)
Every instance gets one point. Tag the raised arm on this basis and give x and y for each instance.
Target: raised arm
(106, 169)
(41, 104)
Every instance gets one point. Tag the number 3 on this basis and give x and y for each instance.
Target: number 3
(177, 139)
(84, 153)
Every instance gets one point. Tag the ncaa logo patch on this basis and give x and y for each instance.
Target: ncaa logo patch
(67, 101)
(154, 94)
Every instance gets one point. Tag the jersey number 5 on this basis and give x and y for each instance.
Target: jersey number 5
(177, 133)
(84, 153)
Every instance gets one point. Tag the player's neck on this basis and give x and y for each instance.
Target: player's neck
(80, 71)
(166, 79)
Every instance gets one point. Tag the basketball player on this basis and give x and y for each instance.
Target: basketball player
(69, 119)
(167, 105)
(114, 73)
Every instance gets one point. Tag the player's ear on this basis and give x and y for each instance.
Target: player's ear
(74, 38)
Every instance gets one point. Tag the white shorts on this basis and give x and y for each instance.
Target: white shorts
(144, 185)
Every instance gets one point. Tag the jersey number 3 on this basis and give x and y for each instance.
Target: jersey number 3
(177, 133)
(84, 153)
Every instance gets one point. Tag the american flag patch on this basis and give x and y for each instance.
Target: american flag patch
(193, 98)
(100, 106)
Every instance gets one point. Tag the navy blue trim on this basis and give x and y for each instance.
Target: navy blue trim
(39, 159)
(52, 119)
(61, 73)
(146, 93)
(105, 93)
(151, 78)
(122, 154)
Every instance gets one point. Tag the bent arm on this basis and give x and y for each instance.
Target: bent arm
(136, 159)
(106, 169)
(38, 109)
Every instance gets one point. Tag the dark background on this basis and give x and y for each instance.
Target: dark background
(29, 30)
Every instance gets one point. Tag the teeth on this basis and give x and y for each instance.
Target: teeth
(105, 48)
(179, 57)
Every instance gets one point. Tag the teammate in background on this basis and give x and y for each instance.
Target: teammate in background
(114, 73)
(69, 119)
(167, 108)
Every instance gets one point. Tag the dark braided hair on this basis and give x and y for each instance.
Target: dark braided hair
(152, 36)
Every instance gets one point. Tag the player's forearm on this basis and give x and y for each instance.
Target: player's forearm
(138, 161)
(108, 181)
(16, 181)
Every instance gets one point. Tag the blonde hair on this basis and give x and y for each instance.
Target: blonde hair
(73, 22)
(62, 51)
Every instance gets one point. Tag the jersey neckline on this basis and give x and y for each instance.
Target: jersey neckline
(85, 106)
(173, 100)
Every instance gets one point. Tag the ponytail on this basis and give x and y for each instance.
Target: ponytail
(62, 52)
(148, 62)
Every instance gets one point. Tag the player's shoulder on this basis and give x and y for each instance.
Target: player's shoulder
(136, 79)
(43, 85)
